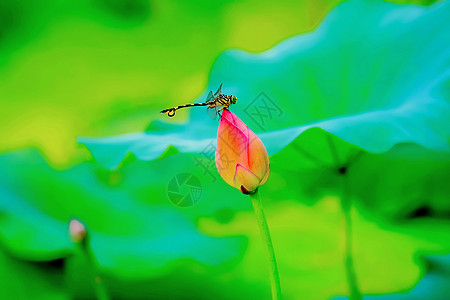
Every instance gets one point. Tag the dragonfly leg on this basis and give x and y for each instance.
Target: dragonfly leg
(219, 112)
(222, 108)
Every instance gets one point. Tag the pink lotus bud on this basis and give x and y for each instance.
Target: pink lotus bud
(241, 158)
(77, 230)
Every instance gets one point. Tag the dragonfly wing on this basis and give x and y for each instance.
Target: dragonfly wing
(219, 91)
(210, 96)
(212, 112)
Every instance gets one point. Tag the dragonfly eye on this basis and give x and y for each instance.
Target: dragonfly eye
(233, 99)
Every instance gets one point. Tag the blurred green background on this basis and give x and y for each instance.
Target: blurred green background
(107, 67)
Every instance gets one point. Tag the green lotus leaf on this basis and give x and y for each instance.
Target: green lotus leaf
(398, 184)
(135, 230)
(374, 81)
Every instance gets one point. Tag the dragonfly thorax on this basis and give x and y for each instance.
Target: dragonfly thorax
(225, 99)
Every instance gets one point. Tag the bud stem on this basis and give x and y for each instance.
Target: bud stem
(267, 241)
(355, 293)
(96, 280)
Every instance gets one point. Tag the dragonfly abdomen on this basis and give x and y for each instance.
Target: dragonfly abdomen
(171, 111)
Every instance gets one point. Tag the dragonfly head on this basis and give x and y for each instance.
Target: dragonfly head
(233, 99)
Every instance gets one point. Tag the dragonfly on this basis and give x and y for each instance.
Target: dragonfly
(213, 102)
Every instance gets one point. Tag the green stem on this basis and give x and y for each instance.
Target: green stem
(355, 293)
(96, 280)
(346, 206)
(267, 240)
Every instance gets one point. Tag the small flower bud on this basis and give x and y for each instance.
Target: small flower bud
(77, 230)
